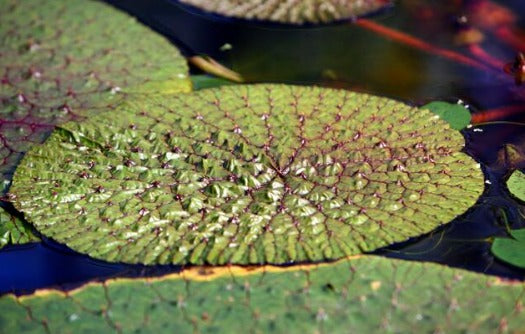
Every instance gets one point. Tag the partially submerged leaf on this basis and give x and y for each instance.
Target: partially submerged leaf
(365, 295)
(203, 81)
(511, 156)
(293, 12)
(247, 174)
(13, 230)
(516, 185)
(455, 114)
(511, 250)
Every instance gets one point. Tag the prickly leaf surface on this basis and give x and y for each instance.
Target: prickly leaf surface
(13, 230)
(294, 12)
(61, 58)
(367, 295)
(247, 174)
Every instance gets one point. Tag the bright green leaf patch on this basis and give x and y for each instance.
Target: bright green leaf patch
(366, 295)
(455, 114)
(14, 231)
(293, 12)
(247, 174)
(511, 250)
(203, 81)
(516, 185)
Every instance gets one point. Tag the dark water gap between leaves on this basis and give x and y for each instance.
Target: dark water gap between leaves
(325, 56)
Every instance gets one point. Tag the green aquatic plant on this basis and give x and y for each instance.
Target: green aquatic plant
(63, 59)
(455, 114)
(14, 231)
(247, 174)
(516, 185)
(511, 250)
(292, 12)
(364, 295)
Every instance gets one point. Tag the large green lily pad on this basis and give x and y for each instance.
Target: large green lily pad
(294, 12)
(247, 174)
(60, 59)
(366, 295)
(516, 185)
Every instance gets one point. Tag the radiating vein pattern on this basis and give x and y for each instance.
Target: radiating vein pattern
(247, 174)
(291, 11)
(367, 295)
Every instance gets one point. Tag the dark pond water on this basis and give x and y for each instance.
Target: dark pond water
(351, 56)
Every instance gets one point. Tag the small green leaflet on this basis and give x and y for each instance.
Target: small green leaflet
(516, 185)
(455, 114)
(511, 250)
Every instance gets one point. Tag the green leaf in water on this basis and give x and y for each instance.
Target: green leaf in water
(247, 174)
(14, 231)
(455, 114)
(204, 81)
(295, 12)
(61, 59)
(516, 184)
(365, 295)
(511, 250)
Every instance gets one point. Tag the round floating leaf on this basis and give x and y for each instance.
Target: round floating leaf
(292, 12)
(366, 295)
(13, 230)
(59, 58)
(247, 174)
(511, 250)
(455, 114)
(516, 185)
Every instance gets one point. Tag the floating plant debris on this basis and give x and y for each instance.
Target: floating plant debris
(61, 59)
(293, 12)
(247, 175)
(364, 295)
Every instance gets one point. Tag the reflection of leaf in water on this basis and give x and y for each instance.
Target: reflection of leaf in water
(516, 184)
(511, 156)
(247, 174)
(364, 295)
(13, 230)
(294, 12)
(64, 58)
(511, 250)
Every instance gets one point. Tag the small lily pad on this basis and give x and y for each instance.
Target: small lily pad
(511, 250)
(455, 114)
(291, 12)
(516, 184)
(247, 174)
(365, 295)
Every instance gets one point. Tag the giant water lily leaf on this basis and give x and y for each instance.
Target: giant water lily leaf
(294, 12)
(516, 184)
(366, 295)
(59, 58)
(511, 250)
(64, 58)
(247, 174)
(13, 230)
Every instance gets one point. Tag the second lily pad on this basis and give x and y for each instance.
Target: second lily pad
(247, 174)
(516, 185)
